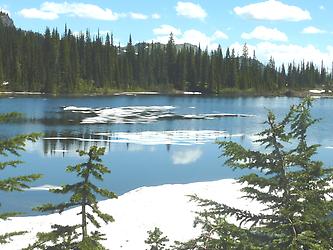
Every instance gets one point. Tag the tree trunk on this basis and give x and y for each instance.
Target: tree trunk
(84, 215)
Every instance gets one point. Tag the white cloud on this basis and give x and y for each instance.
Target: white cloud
(322, 7)
(197, 37)
(192, 36)
(156, 16)
(266, 34)
(52, 10)
(163, 32)
(219, 35)
(186, 157)
(138, 16)
(190, 10)
(273, 10)
(81, 10)
(313, 30)
(166, 29)
(287, 53)
(38, 14)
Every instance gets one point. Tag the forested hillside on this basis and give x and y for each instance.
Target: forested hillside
(67, 63)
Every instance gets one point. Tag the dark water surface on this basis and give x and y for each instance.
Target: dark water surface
(149, 140)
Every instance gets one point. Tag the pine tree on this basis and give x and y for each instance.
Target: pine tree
(205, 70)
(244, 68)
(181, 70)
(8, 147)
(83, 195)
(130, 63)
(156, 240)
(295, 189)
(65, 64)
(2, 78)
(191, 70)
(171, 59)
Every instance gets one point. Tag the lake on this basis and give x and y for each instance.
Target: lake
(150, 140)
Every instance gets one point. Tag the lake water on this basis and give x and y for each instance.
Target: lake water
(149, 140)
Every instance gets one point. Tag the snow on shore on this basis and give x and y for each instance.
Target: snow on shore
(317, 91)
(138, 211)
(137, 93)
(192, 93)
(20, 93)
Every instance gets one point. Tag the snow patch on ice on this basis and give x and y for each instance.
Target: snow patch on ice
(140, 114)
(75, 109)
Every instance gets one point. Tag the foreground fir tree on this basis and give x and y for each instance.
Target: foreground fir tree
(12, 147)
(83, 195)
(295, 188)
(156, 240)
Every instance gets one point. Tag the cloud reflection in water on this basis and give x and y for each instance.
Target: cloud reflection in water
(187, 156)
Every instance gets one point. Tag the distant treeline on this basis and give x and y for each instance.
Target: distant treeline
(69, 63)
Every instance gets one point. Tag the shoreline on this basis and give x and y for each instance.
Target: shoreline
(232, 93)
(135, 212)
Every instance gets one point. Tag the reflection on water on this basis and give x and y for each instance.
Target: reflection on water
(66, 142)
(187, 156)
(149, 140)
(63, 143)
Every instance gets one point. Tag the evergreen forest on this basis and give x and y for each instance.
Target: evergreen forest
(66, 63)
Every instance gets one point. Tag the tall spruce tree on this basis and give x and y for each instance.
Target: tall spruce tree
(171, 53)
(13, 146)
(295, 188)
(83, 195)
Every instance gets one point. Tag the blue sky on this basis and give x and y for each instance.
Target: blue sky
(287, 30)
